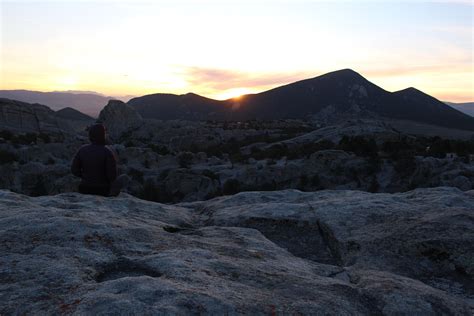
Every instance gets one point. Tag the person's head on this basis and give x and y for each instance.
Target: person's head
(97, 134)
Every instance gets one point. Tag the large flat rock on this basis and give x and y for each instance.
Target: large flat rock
(284, 252)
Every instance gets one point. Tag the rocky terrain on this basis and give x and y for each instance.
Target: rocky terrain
(173, 161)
(260, 253)
(263, 217)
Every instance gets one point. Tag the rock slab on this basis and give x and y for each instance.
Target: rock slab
(281, 252)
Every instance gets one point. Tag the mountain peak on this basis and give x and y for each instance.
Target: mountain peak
(345, 74)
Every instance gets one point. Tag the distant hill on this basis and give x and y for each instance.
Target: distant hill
(343, 93)
(88, 103)
(73, 114)
(467, 107)
(186, 107)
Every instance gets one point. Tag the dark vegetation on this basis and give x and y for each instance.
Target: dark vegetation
(25, 138)
(7, 157)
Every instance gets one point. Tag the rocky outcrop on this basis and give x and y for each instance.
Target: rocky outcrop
(20, 117)
(334, 133)
(119, 118)
(283, 252)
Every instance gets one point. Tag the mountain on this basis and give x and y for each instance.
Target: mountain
(467, 108)
(88, 103)
(343, 93)
(73, 114)
(188, 106)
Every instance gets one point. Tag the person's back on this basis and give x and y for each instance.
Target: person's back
(96, 165)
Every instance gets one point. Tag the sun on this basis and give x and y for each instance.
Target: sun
(235, 93)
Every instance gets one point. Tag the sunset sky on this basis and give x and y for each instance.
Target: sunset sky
(221, 49)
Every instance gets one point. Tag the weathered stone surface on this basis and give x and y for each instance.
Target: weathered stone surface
(427, 234)
(31, 118)
(284, 252)
(119, 118)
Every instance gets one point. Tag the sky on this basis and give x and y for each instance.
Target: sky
(222, 49)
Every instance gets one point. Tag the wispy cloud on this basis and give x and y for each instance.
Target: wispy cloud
(222, 79)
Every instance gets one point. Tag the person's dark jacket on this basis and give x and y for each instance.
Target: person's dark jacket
(95, 164)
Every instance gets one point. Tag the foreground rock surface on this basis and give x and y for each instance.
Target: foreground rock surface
(327, 252)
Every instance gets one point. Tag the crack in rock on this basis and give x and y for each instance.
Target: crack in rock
(122, 268)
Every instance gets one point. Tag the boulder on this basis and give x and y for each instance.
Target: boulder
(119, 118)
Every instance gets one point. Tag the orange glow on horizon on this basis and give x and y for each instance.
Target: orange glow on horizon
(235, 94)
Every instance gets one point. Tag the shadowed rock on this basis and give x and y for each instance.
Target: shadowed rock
(330, 252)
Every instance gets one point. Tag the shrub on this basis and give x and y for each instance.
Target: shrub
(210, 174)
(26, 139)
(159, 149)
(185, 159)
(315, 181)
(359, 145)
(7, 157)
(39, 188)
(231, 186)
(405, 166)
(374, 185)
(304, 180)
(45, 138)
(150, 191)
(136, 174)
(129, 143)
(6, 135)
(164, 174)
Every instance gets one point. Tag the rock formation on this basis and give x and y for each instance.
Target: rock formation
(20, 117)
(283, 252)
(119, 118)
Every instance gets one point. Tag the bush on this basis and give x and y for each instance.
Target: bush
(136, 174)
(39, 188)
(231, 186)
(210, 174)
(7, 157)
(129, 143)
(6, 135)
(315, 181)
(150, 191)
(405, 166)
(25, 139)
(164, 174)
(359, 145)
(374, 185)
(185, 159)
(159, 149)
(45, 138)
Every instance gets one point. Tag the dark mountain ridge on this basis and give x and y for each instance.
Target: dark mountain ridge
(73, 114)
(188, 106)
(344, 92)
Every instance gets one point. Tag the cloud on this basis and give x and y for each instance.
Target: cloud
(223, 79)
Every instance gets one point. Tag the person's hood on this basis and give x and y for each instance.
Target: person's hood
(97, 134)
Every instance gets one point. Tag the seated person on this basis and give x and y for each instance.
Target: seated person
(96, 165)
